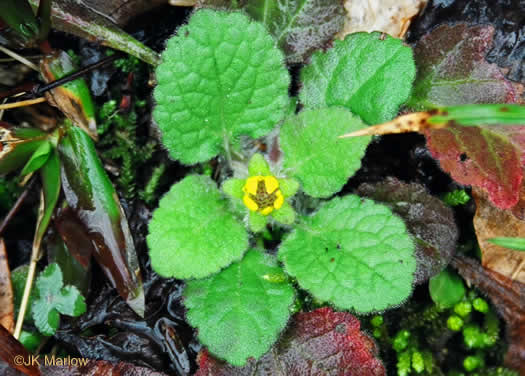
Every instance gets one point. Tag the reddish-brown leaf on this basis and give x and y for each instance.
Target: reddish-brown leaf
(99, 368)
(6, 292)
(318, 343)
(482, 158)
(452, 69)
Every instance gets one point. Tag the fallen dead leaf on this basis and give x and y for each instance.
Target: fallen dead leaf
(6, 292)
(492, 222)
(389, 16)
(12, 352)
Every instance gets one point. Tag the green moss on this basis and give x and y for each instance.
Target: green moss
(424, 339)
(122, 142)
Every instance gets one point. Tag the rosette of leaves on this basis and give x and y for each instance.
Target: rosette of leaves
(216, 85)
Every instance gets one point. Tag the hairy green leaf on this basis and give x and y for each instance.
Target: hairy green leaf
(241, 310)
(315, 155)
(430, 222)
(352, 253)
(371, 74)
(446, 289)
(221, 77)
(193, 233)
(54, 299)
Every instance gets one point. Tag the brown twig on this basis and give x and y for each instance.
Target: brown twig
(28, 102)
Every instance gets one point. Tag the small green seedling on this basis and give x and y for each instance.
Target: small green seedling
(217, 89)
(54, 299)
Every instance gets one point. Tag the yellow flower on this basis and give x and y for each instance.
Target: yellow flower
(262, 194)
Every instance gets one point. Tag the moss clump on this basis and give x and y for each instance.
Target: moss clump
(424, 339)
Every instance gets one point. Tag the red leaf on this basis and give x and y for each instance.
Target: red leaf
(452, 69)
(318, 343)
(479, 157)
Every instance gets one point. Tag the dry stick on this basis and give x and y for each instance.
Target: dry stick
(28, 102)
(35, 256)
(16, 206)
(19, 58)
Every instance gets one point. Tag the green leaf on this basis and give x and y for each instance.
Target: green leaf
(446, 289)
(285, 214)
(193, 233)
(299, 26)
(315, 155)
(370, 74)
(50, 173)
(38, 158)
(517, 244)
(352, 253)
(233, 187)
(30, 340)
(258, 166)
(472, 115)
(240, 311)
(17, 145)
(257, 221)
(54, 299)
(17, 14)
(221, 77)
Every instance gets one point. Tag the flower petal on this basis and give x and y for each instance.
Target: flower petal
(279, 200)
(250, 204)
(267, 210)
(251, 185)
(271, 183)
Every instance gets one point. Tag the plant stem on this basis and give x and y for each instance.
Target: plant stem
(35, 256)
(28, 102)
(19, 58)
